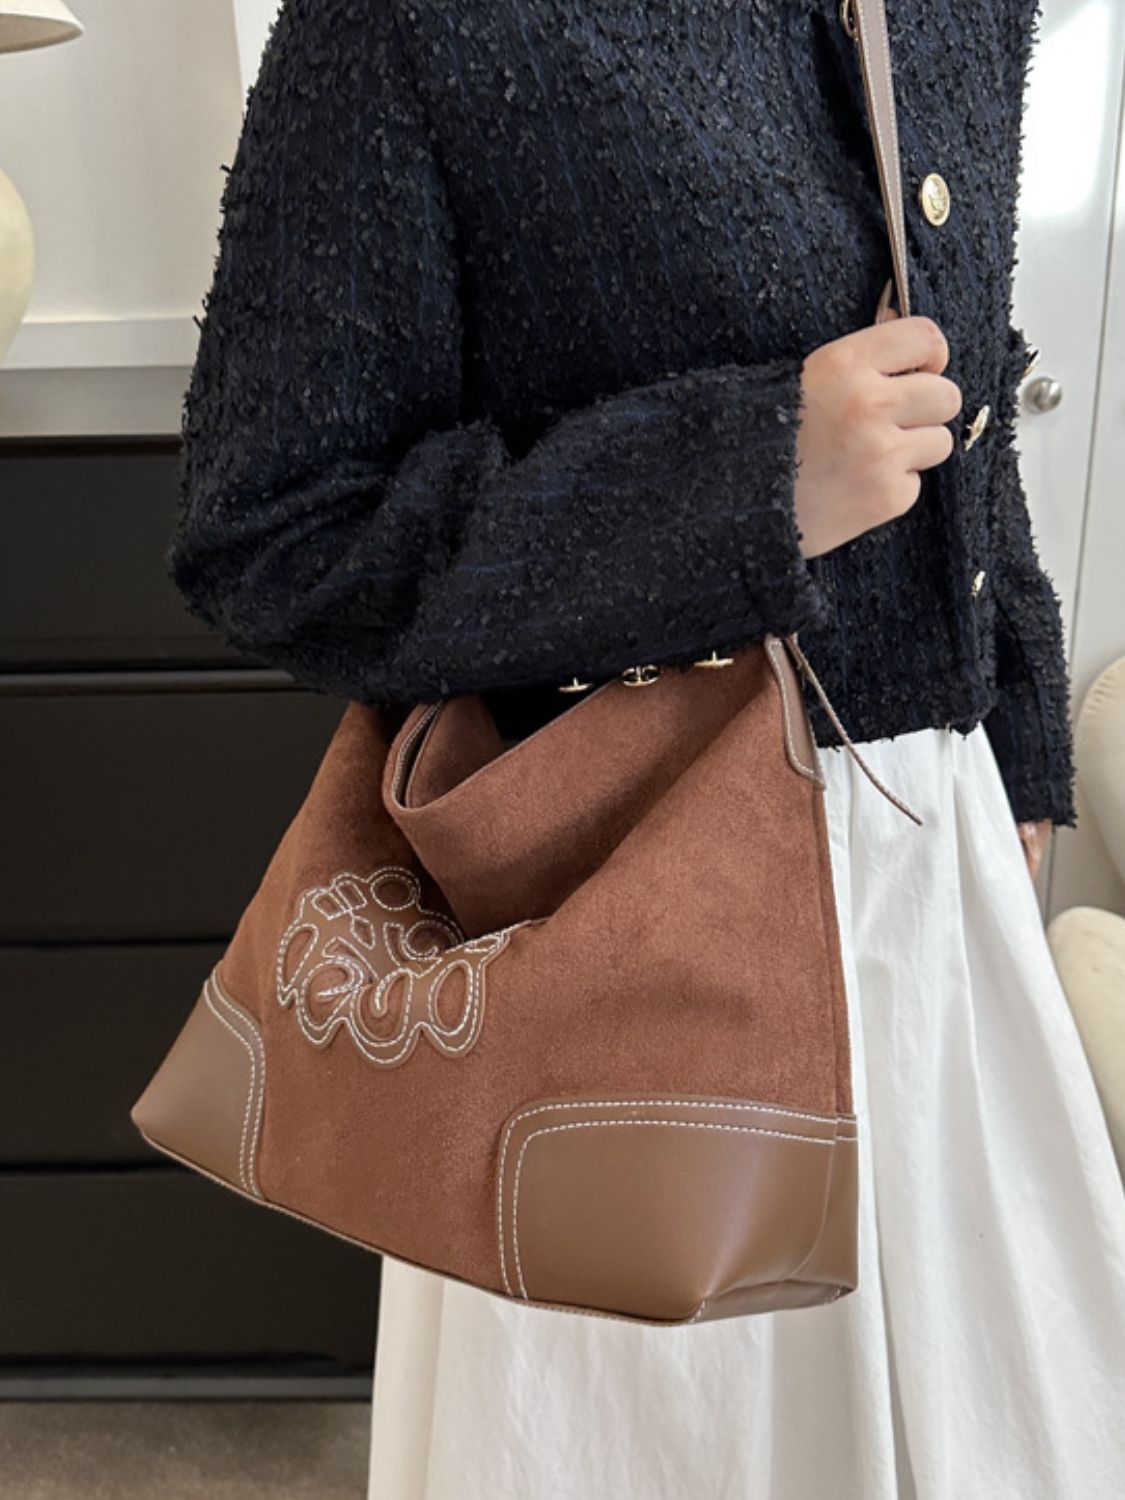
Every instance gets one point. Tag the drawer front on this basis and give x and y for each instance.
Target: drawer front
(82, 1029)
(164, 1265)
(137, 817)
(83, 532)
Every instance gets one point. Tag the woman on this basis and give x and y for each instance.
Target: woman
(541, 345)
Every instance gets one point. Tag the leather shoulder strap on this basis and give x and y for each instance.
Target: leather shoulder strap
(867, 24)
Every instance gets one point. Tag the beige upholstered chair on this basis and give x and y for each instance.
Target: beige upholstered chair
(1088, 943)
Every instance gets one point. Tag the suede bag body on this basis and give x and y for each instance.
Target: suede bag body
(564, 1019)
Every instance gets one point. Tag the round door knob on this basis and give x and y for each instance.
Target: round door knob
(1044, 394)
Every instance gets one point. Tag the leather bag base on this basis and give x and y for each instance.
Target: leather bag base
(659, 1211)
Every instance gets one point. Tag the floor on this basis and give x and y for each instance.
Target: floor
(183, 1450)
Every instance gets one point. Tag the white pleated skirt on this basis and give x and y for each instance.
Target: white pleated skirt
(983, 1354)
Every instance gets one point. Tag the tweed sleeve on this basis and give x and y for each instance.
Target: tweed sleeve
(1030, 726)
(341, 516)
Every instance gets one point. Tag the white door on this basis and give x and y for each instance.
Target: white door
(1070, 299)
(252, 21)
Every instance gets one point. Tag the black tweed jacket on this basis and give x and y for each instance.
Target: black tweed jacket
(499, 375)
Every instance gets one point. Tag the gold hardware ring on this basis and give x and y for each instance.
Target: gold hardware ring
(640, 676)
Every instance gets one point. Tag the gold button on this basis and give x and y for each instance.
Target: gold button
(977, 426)
(636, 677)
(978, 582)
(934, 198)
(715, 660)
(575, 686)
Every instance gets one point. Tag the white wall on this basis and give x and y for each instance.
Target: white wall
(115, 142)
(1083, 873)
(252, 20)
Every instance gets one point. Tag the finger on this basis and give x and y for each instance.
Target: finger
(1033, 836)
(884, 312)
(914, 343)
(926, 447)
(1030, 847)
(923, 400)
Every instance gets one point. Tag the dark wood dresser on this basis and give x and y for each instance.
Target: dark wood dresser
(148, 773)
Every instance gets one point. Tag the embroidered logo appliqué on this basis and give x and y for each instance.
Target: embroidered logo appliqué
(362, 953)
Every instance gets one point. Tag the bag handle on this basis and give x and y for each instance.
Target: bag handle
(849, 744)
(865, 21)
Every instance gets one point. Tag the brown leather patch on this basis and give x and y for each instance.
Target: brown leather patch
(659, 1208)
(218, 1057)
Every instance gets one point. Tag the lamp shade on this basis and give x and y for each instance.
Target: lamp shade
(35, 23)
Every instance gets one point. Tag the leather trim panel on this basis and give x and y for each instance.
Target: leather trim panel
(218, 1056)
(661, 1208)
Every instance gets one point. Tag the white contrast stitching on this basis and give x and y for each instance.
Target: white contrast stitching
(222, 1020)
(592, 1124)
(646, 1103)
(896, 160)
(404, 749)
(259, 1109)
(500, 1207)
(378, 955)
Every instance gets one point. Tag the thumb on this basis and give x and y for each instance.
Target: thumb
(884, 312)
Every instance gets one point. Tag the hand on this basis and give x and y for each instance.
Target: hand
(1033, 837)
(875, 404)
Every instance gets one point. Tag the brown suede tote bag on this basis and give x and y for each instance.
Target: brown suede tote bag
(563, 1019)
